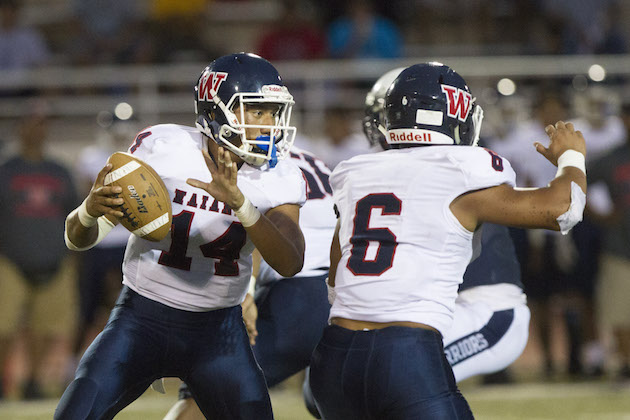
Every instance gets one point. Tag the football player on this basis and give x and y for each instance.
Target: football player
(292, 312)
(491, 318)
(407, 220)
(179, 313)
(490, 324)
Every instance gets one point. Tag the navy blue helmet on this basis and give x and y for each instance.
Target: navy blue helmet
(429, 103)
(236, 79)
(374, 119)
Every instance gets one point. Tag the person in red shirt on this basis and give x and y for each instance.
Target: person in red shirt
(292, 37)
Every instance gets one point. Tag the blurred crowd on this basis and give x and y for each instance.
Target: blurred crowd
(82, 32)
(53, 302)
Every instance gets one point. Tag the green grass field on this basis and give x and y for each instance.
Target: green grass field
(533, 401)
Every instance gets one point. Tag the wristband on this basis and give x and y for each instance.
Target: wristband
(332, 294)
(247, 213)
(571, 158)
(85, 218)
(252, 285)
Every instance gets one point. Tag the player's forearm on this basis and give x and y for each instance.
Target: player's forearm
(280, 242)
(80, 236)
(567, 195)
(543, 206)
(83, 231)
(570, 174)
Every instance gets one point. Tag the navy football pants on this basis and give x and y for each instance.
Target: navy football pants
(395, 373)
(145, 340)
(292, 314)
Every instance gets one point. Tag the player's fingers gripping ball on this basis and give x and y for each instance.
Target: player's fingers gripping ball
(147, 207)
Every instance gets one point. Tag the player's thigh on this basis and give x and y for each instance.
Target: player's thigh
(55, 306)
(13, 293)
(468, 318)
(394, 373)
(230, 384)
(336, 379)
(409, 377)
(292, 317)
(117, 367)
(493, 347)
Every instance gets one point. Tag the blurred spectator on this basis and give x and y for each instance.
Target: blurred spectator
(501, 119)
(603, 130)
(37, 274)
(615, 38)
(291, 37)
(179, 28)
(109, 31)
(533, 170)
(582, 23)
(100, 275)
(361, 33)
(21, 46)
(342, 138)
(547, 258)
(598, 121)
(614, 279)
(464, 26)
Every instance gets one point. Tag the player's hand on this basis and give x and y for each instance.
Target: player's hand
(562, 137)
(223, 185)
(250, 315)
(103, 200)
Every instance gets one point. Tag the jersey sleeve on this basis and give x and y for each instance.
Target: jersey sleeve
(483, 168)
(287, 185)
(143, 145)
(154, 146)
(273, 187)
(337, 182)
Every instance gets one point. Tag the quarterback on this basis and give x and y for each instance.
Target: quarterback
(179, 312)
(291, 312)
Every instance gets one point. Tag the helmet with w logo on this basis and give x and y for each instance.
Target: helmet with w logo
(429, 103)
(225, 88)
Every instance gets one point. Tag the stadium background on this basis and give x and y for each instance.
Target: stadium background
(504, 49)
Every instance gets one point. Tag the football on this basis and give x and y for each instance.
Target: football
(147, 207)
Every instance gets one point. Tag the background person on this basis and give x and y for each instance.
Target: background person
(37, 273)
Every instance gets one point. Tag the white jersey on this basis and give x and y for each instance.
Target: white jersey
(317, 219)
(404, 253)
(205, 263)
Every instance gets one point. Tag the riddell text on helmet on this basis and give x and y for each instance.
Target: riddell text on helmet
(409, 136)
(417, 135)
